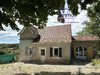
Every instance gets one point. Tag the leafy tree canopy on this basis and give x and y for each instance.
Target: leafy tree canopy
(73, 5)
(93, 25)
(27, 12)
(85, 30)
(35, 12)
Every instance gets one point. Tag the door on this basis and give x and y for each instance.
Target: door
(42, 55)
(81, 53)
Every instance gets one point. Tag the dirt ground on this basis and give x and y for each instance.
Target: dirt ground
(20, 68)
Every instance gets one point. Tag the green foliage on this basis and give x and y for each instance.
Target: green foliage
(98, 46)
(87, 30)
(1, 62)
(15, 52)
(73, 5)
(35, 12)
(93, 25)
(95, 61)
(4, 49)
(7, 46)
(27, 12)
(84, 31)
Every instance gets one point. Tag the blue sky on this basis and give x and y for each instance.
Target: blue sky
(10, 36)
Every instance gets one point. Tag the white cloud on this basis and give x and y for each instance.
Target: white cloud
(79, 18)
(9, 31)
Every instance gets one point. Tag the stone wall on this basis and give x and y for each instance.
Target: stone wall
(89, 46)
(37, 57)
(23, 45)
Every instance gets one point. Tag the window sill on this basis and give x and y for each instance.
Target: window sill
(56, 57)
(29, 56)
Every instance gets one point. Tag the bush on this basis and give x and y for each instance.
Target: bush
(95, 61)
(1, 53)
(1, 62)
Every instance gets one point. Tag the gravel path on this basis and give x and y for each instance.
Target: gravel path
(20, 68)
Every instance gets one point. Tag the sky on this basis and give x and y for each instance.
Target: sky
(10, 36)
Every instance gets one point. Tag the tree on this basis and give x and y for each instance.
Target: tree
(73, 5)
(93, 25)
(27, 12)
(85, 30)
(35, 12)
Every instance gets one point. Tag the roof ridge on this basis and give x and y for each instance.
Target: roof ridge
(59, 25)
(84, 35)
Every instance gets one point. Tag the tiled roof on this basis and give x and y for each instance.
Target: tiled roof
(85, 38)
(60, 33)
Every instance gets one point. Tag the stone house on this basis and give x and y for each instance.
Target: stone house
(54, 44)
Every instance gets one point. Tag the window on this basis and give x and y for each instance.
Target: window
(33, 51)
(43, 52)
(81, 51)
(29, 51)
(56, 52)
(80, 48)
(26, 51)
(77, 51)
(84, 51)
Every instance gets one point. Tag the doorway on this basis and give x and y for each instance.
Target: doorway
(81, 52)
(42, 54)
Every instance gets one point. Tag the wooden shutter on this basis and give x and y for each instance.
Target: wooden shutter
(51, 51)
(26, 51)
(60, 52)
(33, 51)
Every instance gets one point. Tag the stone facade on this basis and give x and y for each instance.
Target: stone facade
(54, 45)
(37, 56)
(89, 45)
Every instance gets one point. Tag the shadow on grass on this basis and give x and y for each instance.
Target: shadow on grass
(22, 74)
(81, 62)
(63, 73)
(6, 62)
(71, 62)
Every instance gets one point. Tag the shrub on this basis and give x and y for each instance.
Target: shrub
(93, 62)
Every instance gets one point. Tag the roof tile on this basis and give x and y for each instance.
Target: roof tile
(61, 33)
(85, 38)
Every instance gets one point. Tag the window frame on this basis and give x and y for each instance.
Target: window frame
(44, 52)
(40, 48)
(29, 53)
(54, 51)
(26, 51)
(83, 50)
